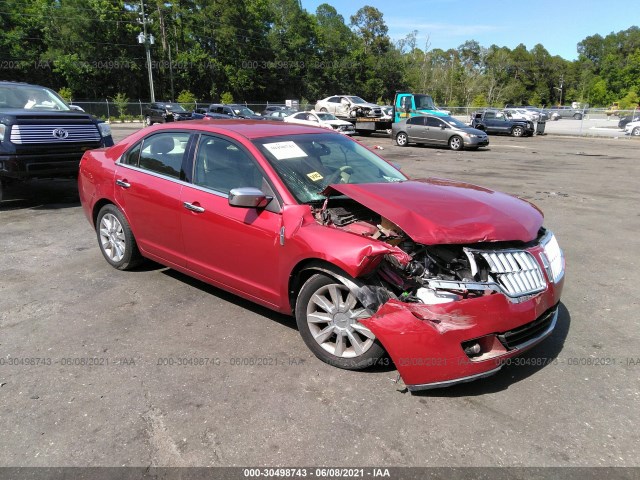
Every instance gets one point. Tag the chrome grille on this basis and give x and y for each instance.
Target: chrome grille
(34, 134)
(517, 272)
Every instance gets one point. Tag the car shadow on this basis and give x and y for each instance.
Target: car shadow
(280, 318)
(540, 356)
(40, 194)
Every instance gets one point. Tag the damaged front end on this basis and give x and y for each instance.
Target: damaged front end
(449, 313)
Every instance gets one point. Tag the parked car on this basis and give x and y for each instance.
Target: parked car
(566, 112)
(322, 119)
(348, 106)
(627, 119)
(520, 113)
(279, 115)
(163, 112)
(42, 136)
(236, 111)
(437, 130)
(451, 279)
(632, 128)
(495, 121)
(270, 109)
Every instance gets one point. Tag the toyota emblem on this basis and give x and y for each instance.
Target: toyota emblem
(60, 133)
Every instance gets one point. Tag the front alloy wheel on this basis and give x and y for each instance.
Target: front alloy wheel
(455, 143)
(328, 317)
(116, 240)
(636, 132)
(517, 131)
(402, 140)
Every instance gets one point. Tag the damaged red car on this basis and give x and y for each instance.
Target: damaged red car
(449, 279)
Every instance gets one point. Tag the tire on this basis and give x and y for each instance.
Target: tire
(147, 121)
(324, 110)
(577, 116)
(636, 132)
(456, 143)
(116, 241)
(326, 314)
(402, 140)
(517, 131)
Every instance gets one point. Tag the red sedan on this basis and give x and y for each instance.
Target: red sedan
(450, 279)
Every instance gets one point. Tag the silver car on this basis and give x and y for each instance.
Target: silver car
(438, 130)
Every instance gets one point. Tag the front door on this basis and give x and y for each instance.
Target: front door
(233, 247)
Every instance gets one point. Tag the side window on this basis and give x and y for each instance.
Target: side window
(312, 118)
(416, 121)
(220, 165)
(163, 153)
(132, 156)
(434, 122)
(489, 115)
(334, 100)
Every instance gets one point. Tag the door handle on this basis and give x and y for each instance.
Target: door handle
(193, 208)
(123, 183)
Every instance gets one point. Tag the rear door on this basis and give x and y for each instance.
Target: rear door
(148, 188)
(233, 247)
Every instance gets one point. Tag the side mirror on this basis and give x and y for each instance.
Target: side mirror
(76, 108)
(248, 197)
(443, 127)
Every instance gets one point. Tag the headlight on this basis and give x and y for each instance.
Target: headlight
(3, 129)
(553, 258)
(105, 129)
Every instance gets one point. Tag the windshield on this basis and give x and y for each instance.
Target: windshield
(356, 100)
(31, 97)
(174, 107)
(244, 111)
(454, 122)
(308, 163)
(424, 102)
(326, 116)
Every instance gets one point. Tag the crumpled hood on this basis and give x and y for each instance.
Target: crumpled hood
(436, 211)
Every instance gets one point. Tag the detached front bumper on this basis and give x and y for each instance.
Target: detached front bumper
(427, 342)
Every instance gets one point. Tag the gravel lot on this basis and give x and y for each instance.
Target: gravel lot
(577, 405)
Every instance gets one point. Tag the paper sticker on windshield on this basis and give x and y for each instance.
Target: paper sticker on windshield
(284, 150)
(315, 176)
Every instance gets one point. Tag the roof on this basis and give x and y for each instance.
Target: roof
(248, 128)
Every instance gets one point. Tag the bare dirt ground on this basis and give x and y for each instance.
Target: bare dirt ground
(576, 404)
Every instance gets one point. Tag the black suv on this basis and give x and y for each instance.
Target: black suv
(236, 111)
(163, 112)
(41, 136)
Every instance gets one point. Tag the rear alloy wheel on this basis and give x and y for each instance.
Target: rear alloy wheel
(636, 132)
(517, 131)
(455, 143)
(328, 317)
(147, 121)
(116, 239)
(402, 140)
(324, 110)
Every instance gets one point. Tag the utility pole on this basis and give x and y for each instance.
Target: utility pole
(147, 40)
(560, 88)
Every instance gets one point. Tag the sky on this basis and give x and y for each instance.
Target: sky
(556, 24)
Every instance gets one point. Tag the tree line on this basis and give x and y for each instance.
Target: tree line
(258, 50)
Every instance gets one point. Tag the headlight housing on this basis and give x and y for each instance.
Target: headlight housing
(105, 129)
(553, 257)
(3, 129)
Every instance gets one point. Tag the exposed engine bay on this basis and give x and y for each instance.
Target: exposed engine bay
(433, 274)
